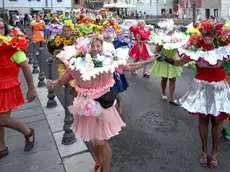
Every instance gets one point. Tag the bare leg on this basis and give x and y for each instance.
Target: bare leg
(135, 61)
(203, 129)
(216, 126)
(163, 86)
(7, 121)
(172, 85)
(107, 157)
(119, 106)
(216, 129)
(2, 139)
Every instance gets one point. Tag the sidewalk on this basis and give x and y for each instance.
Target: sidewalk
(44, 157)
(48, 155)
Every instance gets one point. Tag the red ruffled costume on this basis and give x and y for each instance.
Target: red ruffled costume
(139, 51)
(10, 92)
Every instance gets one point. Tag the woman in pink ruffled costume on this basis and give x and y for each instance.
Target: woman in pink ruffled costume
(140, 51)
(96, 118)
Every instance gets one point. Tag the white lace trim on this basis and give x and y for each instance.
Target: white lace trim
(212, 56)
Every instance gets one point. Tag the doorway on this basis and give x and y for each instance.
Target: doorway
(207, 13)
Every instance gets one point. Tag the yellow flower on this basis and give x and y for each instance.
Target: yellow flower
(88, 58)
(58, 41)
(3, 38)
(69, 23)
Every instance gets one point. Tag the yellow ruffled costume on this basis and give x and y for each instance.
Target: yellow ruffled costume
(58, 41)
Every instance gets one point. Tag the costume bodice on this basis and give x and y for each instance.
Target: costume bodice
(9, 70)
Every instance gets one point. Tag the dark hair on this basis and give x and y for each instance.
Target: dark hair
(7, 30)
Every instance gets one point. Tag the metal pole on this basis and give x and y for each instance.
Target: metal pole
(3, 5)
(35, 64)
(69, 136)
(157, 8)
(41, 76)
(194, 12)
(31, 58)
(51, 103)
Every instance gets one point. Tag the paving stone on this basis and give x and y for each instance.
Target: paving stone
(27, 112)
(77, 147)
(56, 121)
(81, 162)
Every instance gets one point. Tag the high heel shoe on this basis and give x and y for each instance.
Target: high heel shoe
(204, 160)
(98, 168)
(214, 162)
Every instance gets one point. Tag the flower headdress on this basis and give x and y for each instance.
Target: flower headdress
(166, 25)
(69, 23)
(218, 31)
(17, 40)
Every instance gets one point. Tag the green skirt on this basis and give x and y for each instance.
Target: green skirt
(165, 70)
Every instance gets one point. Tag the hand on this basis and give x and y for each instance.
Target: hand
(161, 58)
(50, 84)
(31, 94)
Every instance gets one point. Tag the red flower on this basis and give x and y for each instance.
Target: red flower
(14, 40)
(22, 44)
(14, 32)
(206, 47)
(219, 26)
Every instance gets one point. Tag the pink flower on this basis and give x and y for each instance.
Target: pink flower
(89, 66)
(88, 108)
(83, 45)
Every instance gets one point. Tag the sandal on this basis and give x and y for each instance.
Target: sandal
(4, 153)
(134, 72)
(29, 144)
(165, 98)
(214, 162)
(98, 168)
(174, 102)
(204, 160)
(146, 74)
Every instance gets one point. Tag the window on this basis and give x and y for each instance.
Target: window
(216, 12)
(13, 0)
(77, 1)
(59, 0)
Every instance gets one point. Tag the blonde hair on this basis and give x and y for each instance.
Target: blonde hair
(96, 38)
(141, 22)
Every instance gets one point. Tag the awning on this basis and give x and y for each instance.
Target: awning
(36, 9)
(119, 5)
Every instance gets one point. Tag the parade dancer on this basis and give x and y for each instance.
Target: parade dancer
(167, 43)
(55, 46)
(55, 28)
(140, 51)
(121, 84)
(96, 118)
(209, 95)
(12, 59)
(38, 27)
(46, 19)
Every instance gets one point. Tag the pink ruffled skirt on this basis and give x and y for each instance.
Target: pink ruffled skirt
(103, 127)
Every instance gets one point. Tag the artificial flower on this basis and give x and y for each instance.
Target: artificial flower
(88, 58)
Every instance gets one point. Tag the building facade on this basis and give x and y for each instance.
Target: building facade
(204, 9)
(26, 6)
(225, 9)
(151, 7)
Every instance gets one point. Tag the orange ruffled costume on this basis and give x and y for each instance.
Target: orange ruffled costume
(38, 28)
(10, 93)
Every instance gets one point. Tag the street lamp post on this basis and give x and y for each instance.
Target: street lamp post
(157, 1)
(194, 12)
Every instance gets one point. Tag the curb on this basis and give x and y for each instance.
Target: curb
(75, 157)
